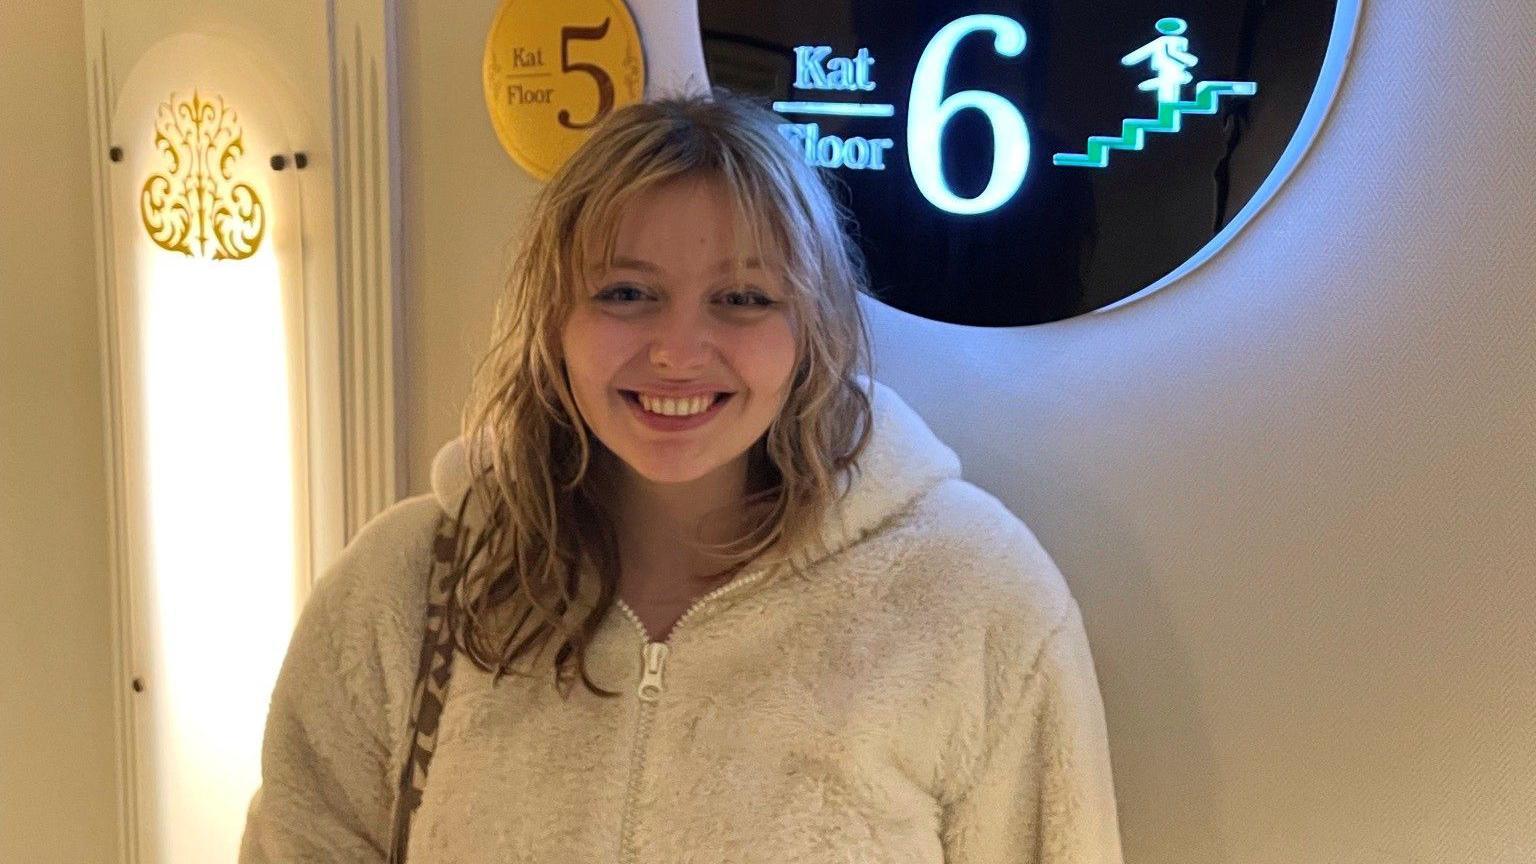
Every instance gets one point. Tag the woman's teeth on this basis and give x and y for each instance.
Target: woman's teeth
(676, 407)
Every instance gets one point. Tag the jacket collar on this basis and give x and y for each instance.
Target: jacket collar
(902, 461)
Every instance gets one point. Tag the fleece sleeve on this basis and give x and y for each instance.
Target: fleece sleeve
(325, 793)
(1041, 791)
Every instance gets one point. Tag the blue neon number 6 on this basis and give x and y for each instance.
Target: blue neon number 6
(928, 113)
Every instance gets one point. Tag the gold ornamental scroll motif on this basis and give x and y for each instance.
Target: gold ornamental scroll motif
(196, 207)
(554, 70)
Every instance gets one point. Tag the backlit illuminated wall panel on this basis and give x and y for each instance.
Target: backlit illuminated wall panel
(211, 329)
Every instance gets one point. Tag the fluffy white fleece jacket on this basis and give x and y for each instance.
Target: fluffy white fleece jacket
(927, 696)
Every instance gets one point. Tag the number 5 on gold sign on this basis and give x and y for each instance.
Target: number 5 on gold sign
(553, 70)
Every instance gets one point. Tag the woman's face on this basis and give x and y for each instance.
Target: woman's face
(668, 314)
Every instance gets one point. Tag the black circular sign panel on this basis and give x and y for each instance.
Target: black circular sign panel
(1022, 162)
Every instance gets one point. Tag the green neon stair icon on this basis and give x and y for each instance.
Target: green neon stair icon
(1169, 119)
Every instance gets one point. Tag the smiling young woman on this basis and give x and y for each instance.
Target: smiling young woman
(675, 470)
(679, 353)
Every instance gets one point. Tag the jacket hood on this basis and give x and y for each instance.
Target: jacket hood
(902, 460)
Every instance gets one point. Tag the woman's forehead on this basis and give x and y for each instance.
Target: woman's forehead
(683, 238)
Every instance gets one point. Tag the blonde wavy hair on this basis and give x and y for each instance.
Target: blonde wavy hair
(548, 522)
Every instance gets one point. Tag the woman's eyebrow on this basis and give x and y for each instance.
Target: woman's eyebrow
(625, 263)
(622, 263)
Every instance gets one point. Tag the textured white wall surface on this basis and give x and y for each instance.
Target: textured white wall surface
(1293, 491)
(57, 804)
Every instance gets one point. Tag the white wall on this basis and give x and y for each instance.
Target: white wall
(1296, 493)
(460, 198)
(57, 802)
(1292, 492)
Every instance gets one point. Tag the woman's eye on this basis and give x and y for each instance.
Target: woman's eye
(753, 298)
(610, 293)
(740, 299)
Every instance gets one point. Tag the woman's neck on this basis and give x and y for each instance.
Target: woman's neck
(660, 528)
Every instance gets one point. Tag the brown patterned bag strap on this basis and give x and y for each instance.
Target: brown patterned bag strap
(432, 674)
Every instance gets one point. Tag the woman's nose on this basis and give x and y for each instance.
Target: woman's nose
(683, 338)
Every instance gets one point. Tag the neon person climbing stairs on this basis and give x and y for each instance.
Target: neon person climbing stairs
(1170, 58)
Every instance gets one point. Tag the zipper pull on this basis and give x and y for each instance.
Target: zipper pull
(650, 683)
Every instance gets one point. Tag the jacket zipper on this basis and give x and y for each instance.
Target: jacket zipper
(653, 663)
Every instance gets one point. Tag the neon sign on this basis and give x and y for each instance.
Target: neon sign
(929, 110)
(1002, 166)
(815, 70)
(1170, 58)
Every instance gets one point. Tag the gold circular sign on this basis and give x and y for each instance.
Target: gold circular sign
(553, 70)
